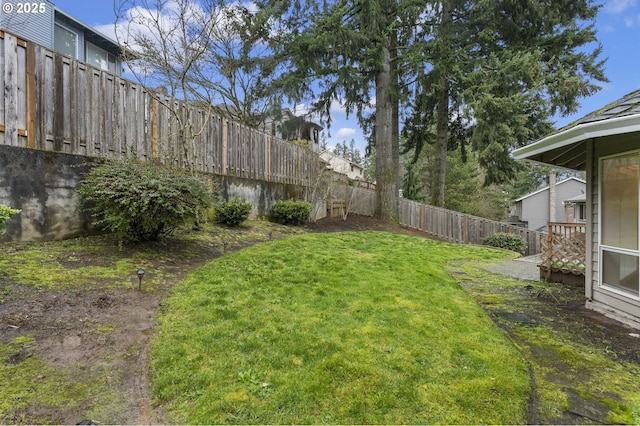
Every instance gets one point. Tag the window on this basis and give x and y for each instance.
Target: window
(65, 41)
(100, 58)
(620, 186)
(581, 212)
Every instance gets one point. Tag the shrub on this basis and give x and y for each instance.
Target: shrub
(291, 212)
(5, 215)
(142, 201)
(232, 212)
(507, 241)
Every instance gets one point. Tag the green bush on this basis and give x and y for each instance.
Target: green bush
(507, 241)
(291, 212)
(233, 212)
(5, 215)
(142, 201)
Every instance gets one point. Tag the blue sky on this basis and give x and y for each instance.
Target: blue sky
(618, 26)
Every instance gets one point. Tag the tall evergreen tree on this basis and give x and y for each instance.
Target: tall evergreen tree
(504, 68)
(498, 69)
(346, 51)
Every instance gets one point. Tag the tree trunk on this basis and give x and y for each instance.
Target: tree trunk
(442, 138)
(442, 113)
(387, 136)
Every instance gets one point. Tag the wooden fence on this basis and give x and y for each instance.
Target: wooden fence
(458, 227)
(55, 103)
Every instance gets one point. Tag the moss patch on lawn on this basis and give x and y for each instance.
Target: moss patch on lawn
(577, 377)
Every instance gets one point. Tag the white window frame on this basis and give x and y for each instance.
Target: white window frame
(581, 210)
(603, 247)
(88, 45)
(75, 33)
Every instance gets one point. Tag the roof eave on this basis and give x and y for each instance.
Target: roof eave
(579, 133)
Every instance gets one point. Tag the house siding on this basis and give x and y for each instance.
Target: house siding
(534, 209)
(36, 27)
(602, 299)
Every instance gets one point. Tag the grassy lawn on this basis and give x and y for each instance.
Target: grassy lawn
(335, 328)
(574, 364)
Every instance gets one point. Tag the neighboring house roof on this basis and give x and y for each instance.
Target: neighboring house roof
(328, 154)
(290, 116)
(547, 188)
(567, 147)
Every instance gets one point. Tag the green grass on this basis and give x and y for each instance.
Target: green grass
(27, 380)
(335, 328)
(61, 265)
(563, 359)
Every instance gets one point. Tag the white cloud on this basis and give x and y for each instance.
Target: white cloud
(345, 132)
(618, 6)
(632, 21)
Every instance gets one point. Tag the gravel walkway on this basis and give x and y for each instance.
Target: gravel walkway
(523, 268)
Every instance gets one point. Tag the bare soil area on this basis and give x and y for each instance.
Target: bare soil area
(103, 333)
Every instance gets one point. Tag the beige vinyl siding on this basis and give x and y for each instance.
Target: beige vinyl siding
(609, 300)
(591, 281)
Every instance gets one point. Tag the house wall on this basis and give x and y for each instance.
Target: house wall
(535, 208)
(599, 298)
(343, 166)
(37, 27)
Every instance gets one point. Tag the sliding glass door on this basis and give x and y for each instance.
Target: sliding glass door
(619, 188)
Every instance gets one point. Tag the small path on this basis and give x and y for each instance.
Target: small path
(522, 268)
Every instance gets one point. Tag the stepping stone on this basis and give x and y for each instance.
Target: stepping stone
(514, 317)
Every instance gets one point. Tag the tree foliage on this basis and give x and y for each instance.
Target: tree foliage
(346, 53)
(142, 201)
(483, 75)
(503, 69)
(206, 53)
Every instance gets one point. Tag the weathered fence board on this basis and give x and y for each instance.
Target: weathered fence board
(74, 108)
(458, 227)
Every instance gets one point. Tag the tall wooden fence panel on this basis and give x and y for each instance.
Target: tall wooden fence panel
(13, 116)
(55, 103)
(458, 227)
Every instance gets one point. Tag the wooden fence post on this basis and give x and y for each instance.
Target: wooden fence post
(225, 142)
(31, 95)
(268, 158)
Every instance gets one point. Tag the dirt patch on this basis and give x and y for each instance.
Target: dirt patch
(96, 334)
(102, 333)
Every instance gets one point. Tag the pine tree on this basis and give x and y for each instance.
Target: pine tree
(483, 74)
(504, 68)
(348, 51)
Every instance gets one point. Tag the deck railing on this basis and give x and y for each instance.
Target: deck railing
(564, 249)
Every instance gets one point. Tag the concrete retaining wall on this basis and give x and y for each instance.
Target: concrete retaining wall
(42, 184)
